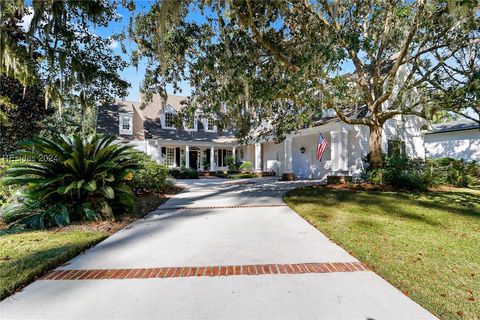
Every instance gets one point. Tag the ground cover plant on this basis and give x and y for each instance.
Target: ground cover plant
(425, 243)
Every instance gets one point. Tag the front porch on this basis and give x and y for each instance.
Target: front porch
(198, 156)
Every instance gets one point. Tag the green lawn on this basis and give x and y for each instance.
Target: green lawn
(25, 256)
(425, 244)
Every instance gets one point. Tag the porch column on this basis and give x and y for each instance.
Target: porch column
(187, 156)
(258, 157)
(339, 149)
(288, 154)
(212, 158)
(159, 152)
(234, 154)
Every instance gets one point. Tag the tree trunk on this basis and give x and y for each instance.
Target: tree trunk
(375, 143)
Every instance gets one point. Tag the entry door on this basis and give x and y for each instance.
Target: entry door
(193, 159)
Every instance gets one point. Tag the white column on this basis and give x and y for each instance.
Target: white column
(288, 154)
(258, 157)
(159, 152)
(187, 156)
(339, 143)
(212, 158)
(147, 147)
(234, 155)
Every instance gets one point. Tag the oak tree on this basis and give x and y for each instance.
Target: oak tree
(271, 67)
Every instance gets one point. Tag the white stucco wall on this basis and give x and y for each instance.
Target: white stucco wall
(408, 129)
(463, 144)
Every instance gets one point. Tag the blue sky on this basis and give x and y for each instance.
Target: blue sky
(132, 74)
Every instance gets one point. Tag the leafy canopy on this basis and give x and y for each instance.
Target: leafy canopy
(272, 67)
(60, 49)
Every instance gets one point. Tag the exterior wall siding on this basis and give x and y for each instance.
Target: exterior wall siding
(463, 144)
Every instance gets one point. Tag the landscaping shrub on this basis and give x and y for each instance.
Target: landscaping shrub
(174, 173)
(151, 176)
(183, 173)
(70, 178)
(221, 174)
(416, 174)
(246, 166)
(230, 161)
(400, 172)
(449, 171)
(188, 173)
(243, 175)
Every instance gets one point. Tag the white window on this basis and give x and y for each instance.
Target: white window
(125, 123)
(170, 157)
(210, 124)
(242, 153)
(169, 120)
(221, 155)
(190, 123)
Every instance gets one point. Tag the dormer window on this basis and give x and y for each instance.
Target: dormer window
(190, 124)
(209, 124)
(169, 120)
(125, 123)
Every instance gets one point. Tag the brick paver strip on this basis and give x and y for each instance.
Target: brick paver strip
(223, 207)
(208, 271)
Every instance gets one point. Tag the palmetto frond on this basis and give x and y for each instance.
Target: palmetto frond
(83, 175)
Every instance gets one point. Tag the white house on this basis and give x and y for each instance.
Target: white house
(201, 146)
(456, 139)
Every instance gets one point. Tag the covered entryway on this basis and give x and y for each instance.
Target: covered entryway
(193, 157)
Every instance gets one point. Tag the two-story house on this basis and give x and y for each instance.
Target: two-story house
(199, 145)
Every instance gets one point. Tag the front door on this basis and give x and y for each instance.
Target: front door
(193, 156)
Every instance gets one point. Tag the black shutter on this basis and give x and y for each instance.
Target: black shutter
(177, 156)
(164, 151)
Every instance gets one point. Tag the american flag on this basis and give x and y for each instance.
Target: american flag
(321, 146)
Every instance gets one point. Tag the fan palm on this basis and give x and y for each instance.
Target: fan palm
(70, 178)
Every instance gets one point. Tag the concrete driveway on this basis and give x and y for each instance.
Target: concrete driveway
(218, 250)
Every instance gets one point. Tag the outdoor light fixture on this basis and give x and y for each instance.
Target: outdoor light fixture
(302, 150)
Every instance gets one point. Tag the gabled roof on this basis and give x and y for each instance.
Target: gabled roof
(456, 125)
(147, 124)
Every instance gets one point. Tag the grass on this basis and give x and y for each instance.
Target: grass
(425, 244)
(27, 255)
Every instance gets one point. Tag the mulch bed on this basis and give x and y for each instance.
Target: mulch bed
(147, 202)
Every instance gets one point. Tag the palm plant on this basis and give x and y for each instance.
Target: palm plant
(70, 178)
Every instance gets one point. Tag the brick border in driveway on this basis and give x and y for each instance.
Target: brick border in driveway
(205, 271)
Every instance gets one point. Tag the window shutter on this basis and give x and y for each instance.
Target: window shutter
(164, 151)
(177, 157)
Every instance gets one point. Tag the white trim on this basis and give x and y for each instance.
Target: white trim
(167, 109)
(205, 125)
(195, 124)
(174, 157)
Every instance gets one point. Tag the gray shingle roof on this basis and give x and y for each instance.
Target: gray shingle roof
(457, 125)
(147, 124)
